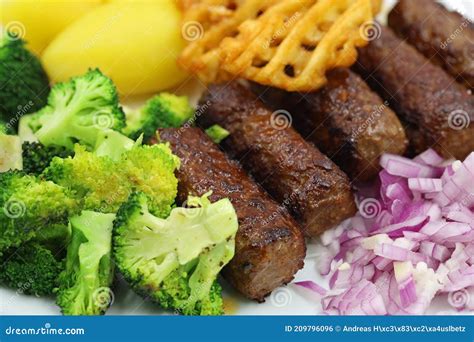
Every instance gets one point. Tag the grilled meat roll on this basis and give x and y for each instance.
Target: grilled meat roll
(446, 38)
(422, 94)
(270, 247)
(293, 171)
(346, 120)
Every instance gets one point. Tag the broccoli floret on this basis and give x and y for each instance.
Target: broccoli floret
(175, 261)
(162, 111)
(37, 157)
(97, 180)
(10, 153)
(217, 133)
(84, 285)
(78, 110)
(30, 269)
(151, 169)
(105, 184)
(24, 85)
(112, 144)
(32, 208)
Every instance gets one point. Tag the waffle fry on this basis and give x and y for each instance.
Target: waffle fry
(218, 19)
(288, 44)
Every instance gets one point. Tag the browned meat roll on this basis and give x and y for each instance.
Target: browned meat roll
(346, 120)
(422, 94)
(270, 247)
(446, 38)
(293, 171)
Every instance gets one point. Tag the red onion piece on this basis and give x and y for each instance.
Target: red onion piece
(425, 185)
(430, 157)
(312, 286)
(419, 242)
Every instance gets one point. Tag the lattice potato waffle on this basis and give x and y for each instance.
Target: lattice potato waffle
(288, 44)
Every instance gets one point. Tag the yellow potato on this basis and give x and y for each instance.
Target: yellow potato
(141, 1)
(39, 21)
(136, 44)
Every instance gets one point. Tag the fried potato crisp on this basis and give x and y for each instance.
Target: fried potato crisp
(289, 44)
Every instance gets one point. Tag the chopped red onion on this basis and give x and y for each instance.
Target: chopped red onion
(404, 167)
(419, 244)
(406, 283)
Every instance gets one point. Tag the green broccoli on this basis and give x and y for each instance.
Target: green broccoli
(96, 180)
(31, 208)
(105, 184)
(176, 261)
(161, 111)
(112, 144)
(36, 156)
(217, 133)
(31, 269)
(3, 128)
(84, 285)
(151, 169)
(10, 153)
(78, 110)
(24, 85)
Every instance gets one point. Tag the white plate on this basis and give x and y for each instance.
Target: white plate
(283, 301)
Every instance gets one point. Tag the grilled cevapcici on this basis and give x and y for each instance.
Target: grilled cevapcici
(270, 247)
(446, 38)
(439, 111)
(293, 171)
(346, 120)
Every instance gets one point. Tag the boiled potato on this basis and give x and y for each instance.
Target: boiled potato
(39, 21)
(136, 44)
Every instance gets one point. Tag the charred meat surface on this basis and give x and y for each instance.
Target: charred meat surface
(292, 170)
(270, 247)
(446, 38)
(424, 95)
(346, 120)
